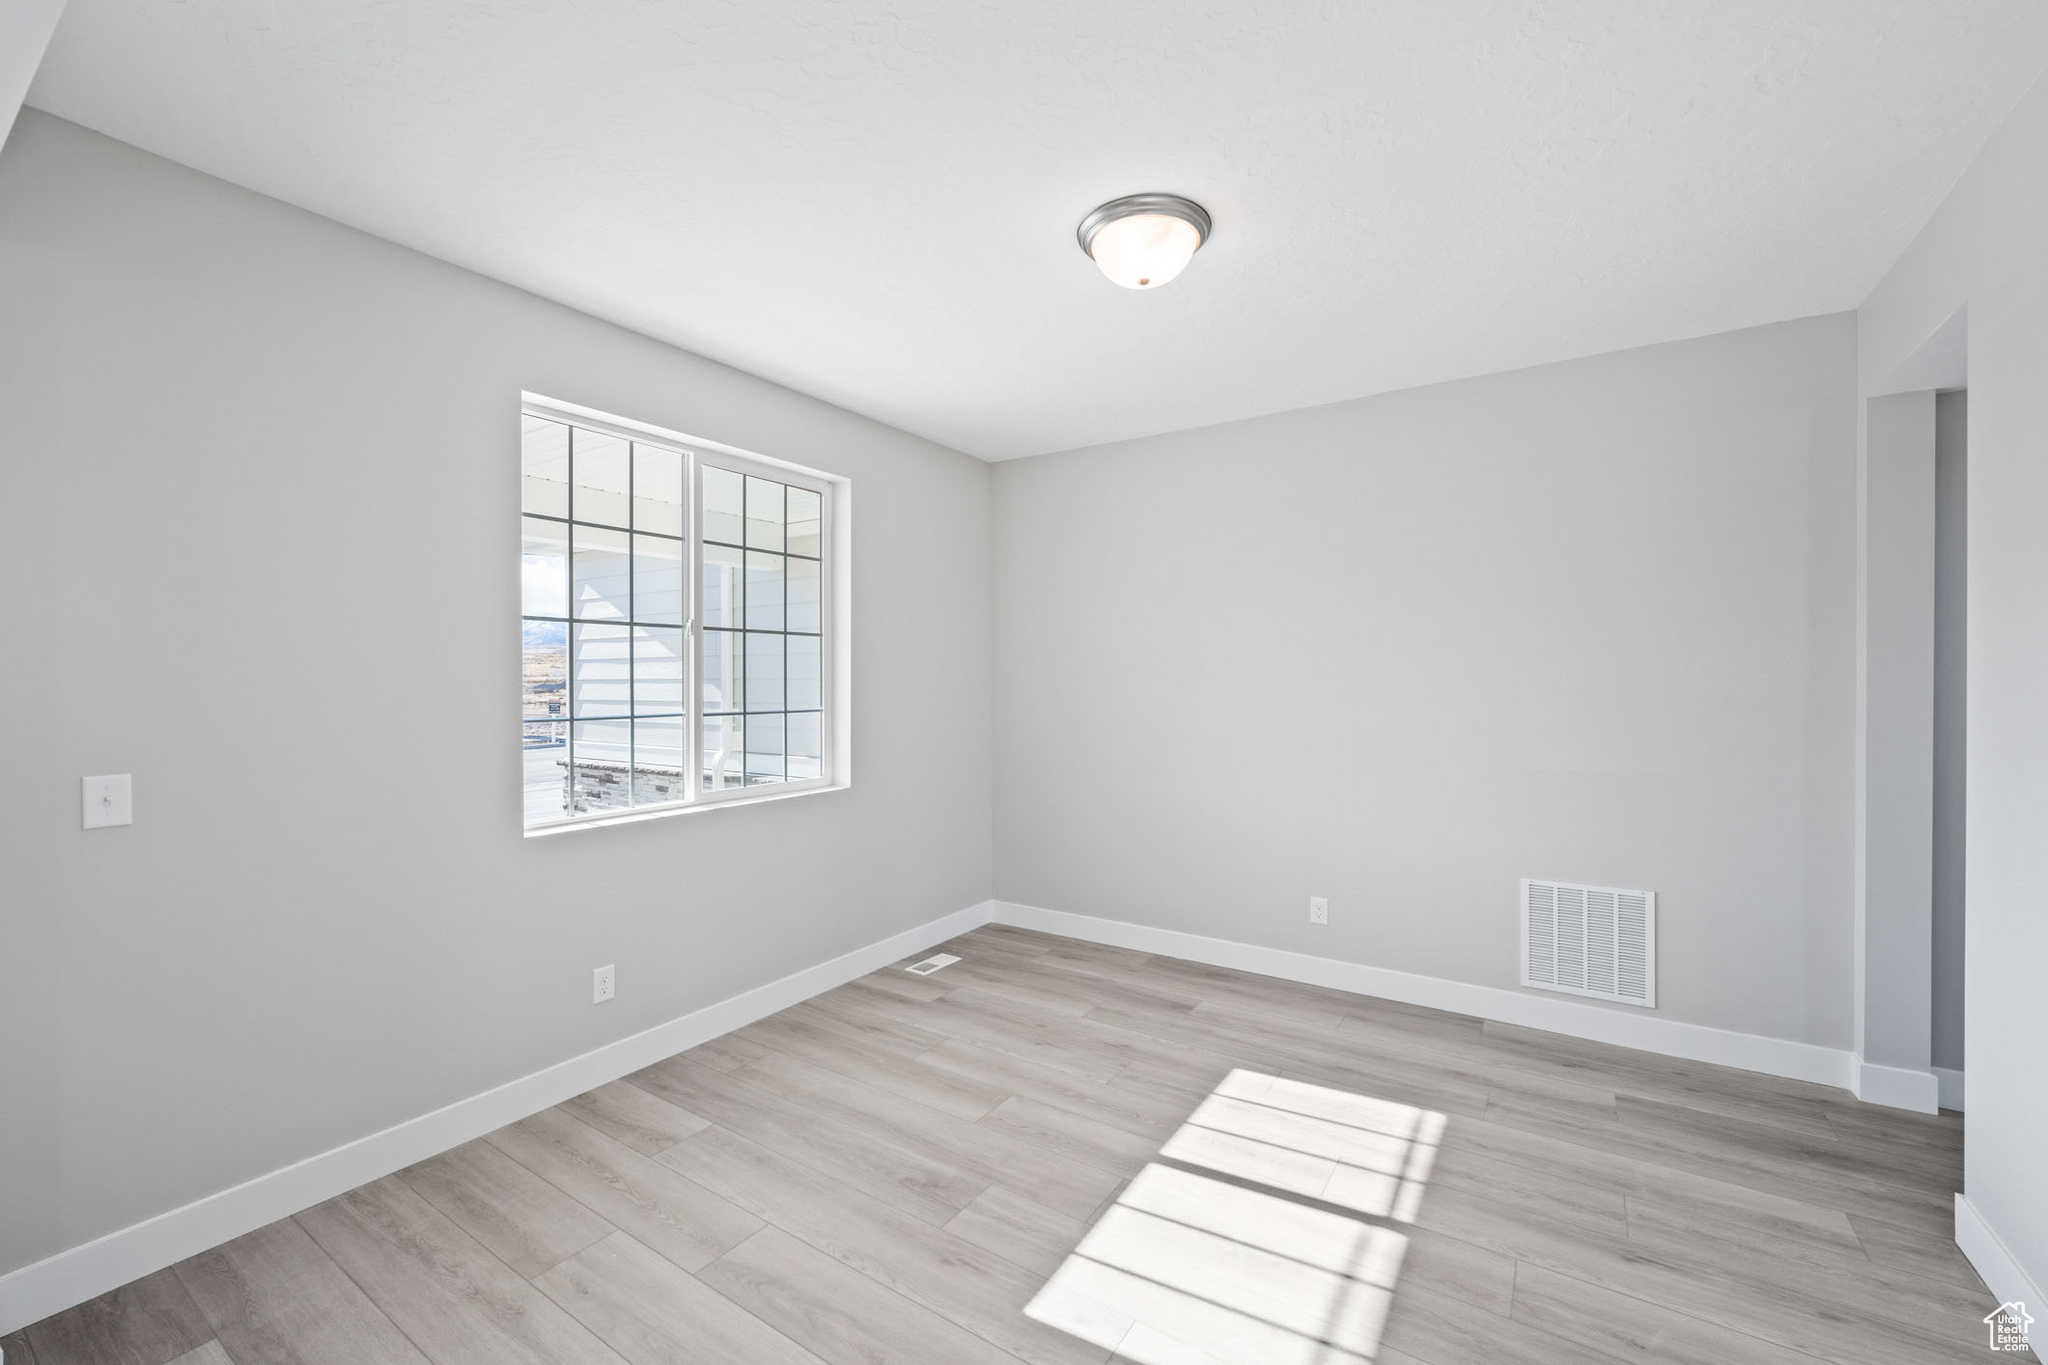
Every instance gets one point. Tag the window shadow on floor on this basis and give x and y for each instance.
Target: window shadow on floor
(1268, 1232)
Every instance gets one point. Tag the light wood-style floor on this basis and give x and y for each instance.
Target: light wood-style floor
(893, 1171)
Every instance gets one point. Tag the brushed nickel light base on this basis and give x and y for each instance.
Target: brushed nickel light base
(1172, 205)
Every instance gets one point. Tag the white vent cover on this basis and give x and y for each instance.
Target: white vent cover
(1590, 940)
(932, 964)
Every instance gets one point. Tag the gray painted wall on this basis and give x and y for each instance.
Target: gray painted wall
(1895, 733)
(1592, 621)
(1982, 249)
(260, 522)
(1951, 573)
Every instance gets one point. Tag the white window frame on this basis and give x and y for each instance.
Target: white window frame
(834, 493)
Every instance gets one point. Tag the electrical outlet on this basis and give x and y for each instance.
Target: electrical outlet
(1318, 910)
(604, 984)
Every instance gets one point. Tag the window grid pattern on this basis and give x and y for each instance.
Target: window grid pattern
(761, 631)
(604, 620)
(620, 568)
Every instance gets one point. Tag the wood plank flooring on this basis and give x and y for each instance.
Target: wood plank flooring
(904, 1169)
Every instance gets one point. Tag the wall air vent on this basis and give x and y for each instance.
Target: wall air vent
(1590, 940)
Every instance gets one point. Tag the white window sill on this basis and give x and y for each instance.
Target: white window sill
(629, 817)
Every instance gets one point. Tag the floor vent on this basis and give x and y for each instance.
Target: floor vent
(1590, 940)
(932, 964)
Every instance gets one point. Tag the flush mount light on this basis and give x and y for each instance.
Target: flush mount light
(1143, 240)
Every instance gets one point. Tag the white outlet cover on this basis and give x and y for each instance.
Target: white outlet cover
(108, 800)
(1318, 910)
(604, 984)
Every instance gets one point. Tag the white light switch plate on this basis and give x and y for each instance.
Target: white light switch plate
(108, 801)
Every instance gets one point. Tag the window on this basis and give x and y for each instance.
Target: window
(676, 605)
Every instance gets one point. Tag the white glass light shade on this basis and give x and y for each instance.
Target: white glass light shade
(1144, 250)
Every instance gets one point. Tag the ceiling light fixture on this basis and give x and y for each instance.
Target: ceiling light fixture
(1143, 240)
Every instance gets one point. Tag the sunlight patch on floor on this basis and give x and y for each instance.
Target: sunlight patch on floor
(1187, 1268)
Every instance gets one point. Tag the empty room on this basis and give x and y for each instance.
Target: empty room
(854, 682)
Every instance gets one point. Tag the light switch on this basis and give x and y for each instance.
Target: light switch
(109, 801)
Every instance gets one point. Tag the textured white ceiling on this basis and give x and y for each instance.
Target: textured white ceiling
(874, 201)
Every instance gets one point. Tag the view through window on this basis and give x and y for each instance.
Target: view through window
(616, 528)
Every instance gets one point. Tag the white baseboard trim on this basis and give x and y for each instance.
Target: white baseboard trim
(2007, 1280)
(1950, 1083)
(1897, 1086)
(33, 1292)
(1624, 1027)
